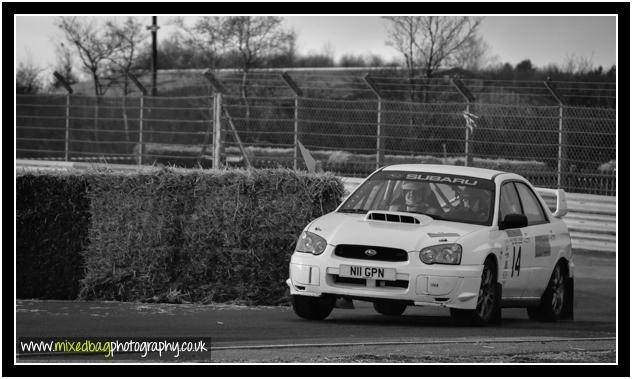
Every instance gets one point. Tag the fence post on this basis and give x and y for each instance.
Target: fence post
(67, 135)
(236, 135)
(561, 150)
(209, 130)
(469, 98)
(468, 156)
(143, 92)
(219, 90)
(561, 137)
(297, 94)
(141, 146)
(379, 159)
(295, 164)
(66, 85)
(217, 130)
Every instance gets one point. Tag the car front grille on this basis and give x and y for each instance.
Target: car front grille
(381, 253)
(362, 282)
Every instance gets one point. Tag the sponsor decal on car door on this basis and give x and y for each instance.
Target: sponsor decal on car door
(515, 244)
(539, 264)
(513, 277)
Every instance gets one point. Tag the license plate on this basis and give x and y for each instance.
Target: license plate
(365, 272)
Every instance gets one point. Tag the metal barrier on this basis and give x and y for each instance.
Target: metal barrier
(591, 219)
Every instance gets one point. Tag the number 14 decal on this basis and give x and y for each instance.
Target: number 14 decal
(515, 266)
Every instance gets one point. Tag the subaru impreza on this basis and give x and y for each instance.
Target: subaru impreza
(469, 239)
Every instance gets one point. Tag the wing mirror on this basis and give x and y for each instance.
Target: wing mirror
(513, 221)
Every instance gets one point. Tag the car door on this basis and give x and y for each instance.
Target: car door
(514, 244)
(537, 264)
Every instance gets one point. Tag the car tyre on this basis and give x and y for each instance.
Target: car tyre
(313, 308)
(534, 313)
(552, 301)
(488, 303)
(389, 308)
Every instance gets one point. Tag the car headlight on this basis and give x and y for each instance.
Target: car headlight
(309, 242)
(449, 254)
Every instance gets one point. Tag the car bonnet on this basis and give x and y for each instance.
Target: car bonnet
(344, 228)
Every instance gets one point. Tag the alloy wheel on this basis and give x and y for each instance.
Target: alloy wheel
(486, 294)
(557, 288)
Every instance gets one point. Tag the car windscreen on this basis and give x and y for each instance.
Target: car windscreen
(440, 196)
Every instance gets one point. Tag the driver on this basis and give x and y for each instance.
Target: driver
(474, 204)
(418, 197)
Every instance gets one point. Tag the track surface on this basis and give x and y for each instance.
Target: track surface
(276, 334)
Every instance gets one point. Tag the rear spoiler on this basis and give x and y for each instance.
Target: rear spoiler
(555, 199)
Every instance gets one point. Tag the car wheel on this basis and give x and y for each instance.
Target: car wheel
(488, 303)
(313, 308)
(552, 302)
(389, 308)
(534, 313)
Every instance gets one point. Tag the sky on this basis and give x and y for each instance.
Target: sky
(542, 39)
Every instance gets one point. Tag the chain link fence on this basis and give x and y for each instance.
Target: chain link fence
(352, 133)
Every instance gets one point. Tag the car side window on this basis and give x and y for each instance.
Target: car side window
(509, 202)
(532, 207)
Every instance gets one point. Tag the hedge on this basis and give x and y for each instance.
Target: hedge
(210, 236)
(52, 218)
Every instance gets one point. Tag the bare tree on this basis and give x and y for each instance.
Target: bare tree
(403, 33)
(64, 65)
(577, 65)
(475, 55)
(428, 42)
(129, 38)
(248, 39)
(205, 36)
(442, 38)
(254, 38)
(95, 47)
(328, 50)
(27, 78)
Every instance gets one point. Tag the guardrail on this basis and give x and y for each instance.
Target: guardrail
(41, 165)
(591, 219)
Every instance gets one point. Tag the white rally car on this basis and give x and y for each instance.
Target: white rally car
(473, 240)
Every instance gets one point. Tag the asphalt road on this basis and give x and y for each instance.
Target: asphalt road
(276, 334)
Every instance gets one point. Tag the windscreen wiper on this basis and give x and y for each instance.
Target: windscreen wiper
(352, 210)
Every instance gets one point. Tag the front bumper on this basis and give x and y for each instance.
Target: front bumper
(435, 285)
